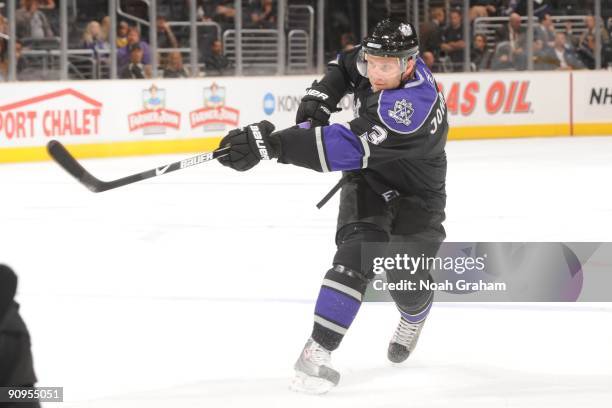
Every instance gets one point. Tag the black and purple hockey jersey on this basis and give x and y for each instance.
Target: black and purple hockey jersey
(399, 135)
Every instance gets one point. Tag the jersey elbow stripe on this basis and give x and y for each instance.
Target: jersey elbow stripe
(366, 152)
(321, 149)
(344, 150)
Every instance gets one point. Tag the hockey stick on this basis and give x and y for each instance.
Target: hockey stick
(63, 157)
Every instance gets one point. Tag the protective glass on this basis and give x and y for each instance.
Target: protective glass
(380, 67)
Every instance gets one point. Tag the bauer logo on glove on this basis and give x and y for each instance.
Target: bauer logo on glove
(248, 146)
(261, 145)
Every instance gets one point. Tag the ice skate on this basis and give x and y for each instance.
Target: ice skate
(313, 372)
(404, 340)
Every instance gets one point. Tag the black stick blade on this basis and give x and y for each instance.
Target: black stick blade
(58, 152)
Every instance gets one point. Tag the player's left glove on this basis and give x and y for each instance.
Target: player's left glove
(248, 146)
(316, 106)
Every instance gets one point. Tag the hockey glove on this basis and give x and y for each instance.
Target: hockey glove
(248, 146)
(315, 107)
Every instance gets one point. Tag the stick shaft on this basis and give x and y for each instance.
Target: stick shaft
(63, 157)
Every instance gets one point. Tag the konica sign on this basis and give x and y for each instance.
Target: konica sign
(290, 103)
(280, 103)
(269, 104)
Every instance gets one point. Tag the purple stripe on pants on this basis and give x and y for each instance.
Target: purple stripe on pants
(419, 317)
(337, 307)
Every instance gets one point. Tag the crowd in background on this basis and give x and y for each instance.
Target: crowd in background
(554, 47)
(441, 34)
(37, 27)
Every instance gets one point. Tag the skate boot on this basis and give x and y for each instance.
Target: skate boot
(313, 372)
(404, 340)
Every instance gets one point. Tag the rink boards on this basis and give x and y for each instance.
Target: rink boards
(133, 117)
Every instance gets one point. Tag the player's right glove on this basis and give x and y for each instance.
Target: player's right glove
(248, 146)
(315, 107)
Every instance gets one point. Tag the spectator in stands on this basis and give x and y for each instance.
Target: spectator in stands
(92, 38)
(3, 23)
(480, 55)
(105, 29)
(452, 40)
(483, 8)
(30, 22)
(430, 60)
(135, 69)
(215, 62)
(573, 40)
(431, 32)
(122, 31)
(543, 37)
(512, 32)
(561, 56)
(586, 51)
(263, 15)
(606, 56)
(165, 36)
(223, 12)
(514, 37)
(545, 32)
(502, 58)
(46, 4)
(347, 41)
(174, 66)
(124, 55)
(589, 21)
(138, 8)
(540, 7)
(3, 60)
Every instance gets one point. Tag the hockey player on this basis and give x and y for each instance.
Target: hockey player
(393, 187)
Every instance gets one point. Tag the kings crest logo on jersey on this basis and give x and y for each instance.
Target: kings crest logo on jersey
(214, 116)
(402, 111)
(154, 118)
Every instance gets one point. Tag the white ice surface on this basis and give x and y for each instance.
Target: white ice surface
(196, 289)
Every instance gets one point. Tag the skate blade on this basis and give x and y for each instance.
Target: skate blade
(310, 385)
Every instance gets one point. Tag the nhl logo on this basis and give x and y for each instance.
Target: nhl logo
(402, 112)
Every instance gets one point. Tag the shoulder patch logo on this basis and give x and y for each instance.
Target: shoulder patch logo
(402, 111)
